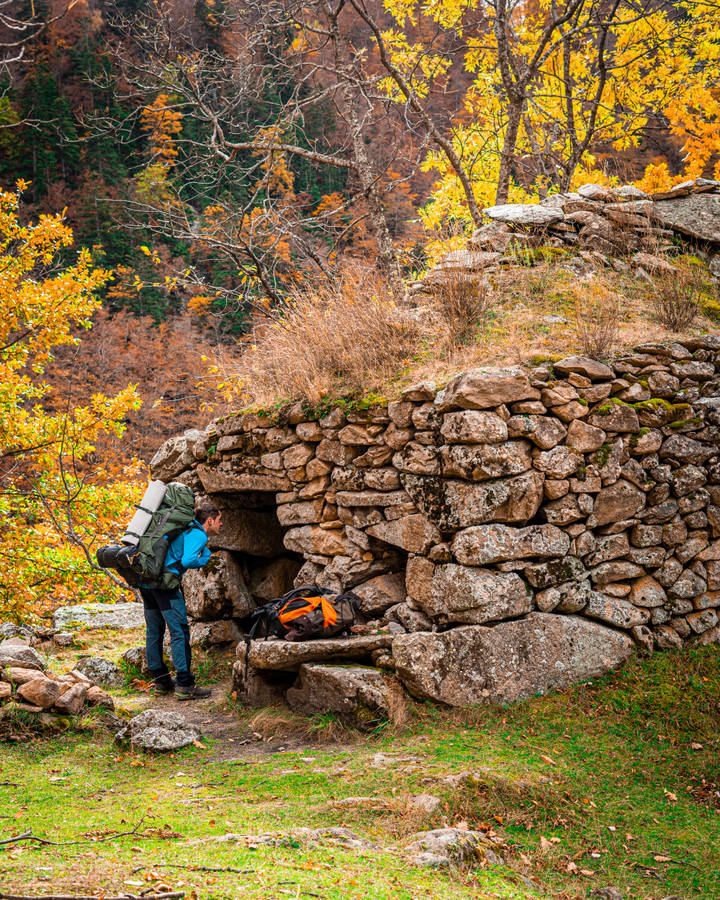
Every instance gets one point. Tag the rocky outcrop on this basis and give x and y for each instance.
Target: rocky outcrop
(122, 616)
(26, 681)
(443, 847)
(594, 222)
(509, 534)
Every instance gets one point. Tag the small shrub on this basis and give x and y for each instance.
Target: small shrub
(462, 304)
(596, 319)
(677, 296)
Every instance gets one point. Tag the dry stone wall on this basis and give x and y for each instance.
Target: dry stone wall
(514, 532)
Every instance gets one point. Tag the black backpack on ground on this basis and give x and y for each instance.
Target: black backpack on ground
(303, 614)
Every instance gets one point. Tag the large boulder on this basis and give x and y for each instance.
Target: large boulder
(504, 500)
(159, 730)
(214, 634)
(312, 539)
(216, 480)
(480, 462)
(120, 616)
(40, 692)
(453, 505)
(475, 664)
(380, 593)
(72, 699)
(174, 456)
(473, 427)
(619, 501)
(473, 596)
(217, 591)
(355, 694)
(443, 847)
(414, 533)
(483, 544)
(697, 215)
(18, 652)
(583, 365)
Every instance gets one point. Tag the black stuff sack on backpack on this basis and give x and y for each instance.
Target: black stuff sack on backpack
(304, 614)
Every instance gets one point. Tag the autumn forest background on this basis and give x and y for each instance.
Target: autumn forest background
(183, 181)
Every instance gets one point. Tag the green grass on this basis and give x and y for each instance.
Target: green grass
(611, 783)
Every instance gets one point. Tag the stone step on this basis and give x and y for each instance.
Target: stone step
(289, 656)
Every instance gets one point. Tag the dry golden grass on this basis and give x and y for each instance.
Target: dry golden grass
(332, 343)
(461, 305)
(329, 340)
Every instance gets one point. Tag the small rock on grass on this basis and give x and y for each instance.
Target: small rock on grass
(425, 803)
(454, 846)
(159, 730)
(336, 835)
(100, 671)
(135, 657)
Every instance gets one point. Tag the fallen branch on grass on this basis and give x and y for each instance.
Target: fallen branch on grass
(29, 836)
(173, 895)
(195, 868)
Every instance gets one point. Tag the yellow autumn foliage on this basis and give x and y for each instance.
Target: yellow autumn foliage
(658, 61)
(47, 494)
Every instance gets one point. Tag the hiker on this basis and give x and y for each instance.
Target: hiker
(188, 550)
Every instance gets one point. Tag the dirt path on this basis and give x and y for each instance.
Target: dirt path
(231, 735)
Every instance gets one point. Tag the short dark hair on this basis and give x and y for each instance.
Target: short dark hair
(206, 511)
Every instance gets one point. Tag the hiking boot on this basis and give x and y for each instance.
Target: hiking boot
(192, 692)
(164, 686)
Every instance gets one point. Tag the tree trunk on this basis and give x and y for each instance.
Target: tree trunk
(507, 156)
(387, 257)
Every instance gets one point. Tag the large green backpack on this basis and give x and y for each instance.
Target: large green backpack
(144, 562)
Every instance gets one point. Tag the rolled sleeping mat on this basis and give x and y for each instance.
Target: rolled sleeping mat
(151, 500)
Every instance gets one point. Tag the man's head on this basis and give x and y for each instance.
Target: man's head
(210, 517)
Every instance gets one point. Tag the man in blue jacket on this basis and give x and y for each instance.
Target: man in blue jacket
(188, 550)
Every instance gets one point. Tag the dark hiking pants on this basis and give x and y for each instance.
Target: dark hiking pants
(167, 608)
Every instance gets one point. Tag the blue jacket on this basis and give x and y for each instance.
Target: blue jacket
(188, 550)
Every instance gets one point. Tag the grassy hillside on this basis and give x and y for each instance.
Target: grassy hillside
(611, 783)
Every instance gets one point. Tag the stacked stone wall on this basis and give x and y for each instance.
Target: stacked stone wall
(514, 532)
(622, 227)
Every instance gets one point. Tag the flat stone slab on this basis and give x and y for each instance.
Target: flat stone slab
(122, 616)
(523, 214)
(289, 655)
